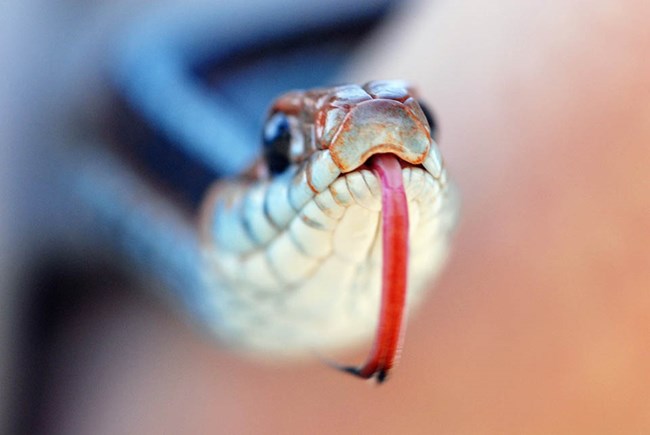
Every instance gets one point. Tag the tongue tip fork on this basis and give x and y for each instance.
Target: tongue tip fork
(379, 374)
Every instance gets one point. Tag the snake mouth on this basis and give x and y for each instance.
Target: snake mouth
(379, 126)
(373, 127)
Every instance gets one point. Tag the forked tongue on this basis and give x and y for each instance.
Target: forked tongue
(395, 231)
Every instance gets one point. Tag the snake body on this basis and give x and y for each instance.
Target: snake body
(285, 259)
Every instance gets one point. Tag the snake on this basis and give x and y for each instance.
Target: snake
(328, 238)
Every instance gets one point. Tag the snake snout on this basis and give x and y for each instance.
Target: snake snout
(379, 126)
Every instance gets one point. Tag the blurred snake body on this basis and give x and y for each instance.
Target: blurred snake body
(288, 258)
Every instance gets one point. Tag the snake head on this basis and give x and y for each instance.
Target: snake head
(351, 123)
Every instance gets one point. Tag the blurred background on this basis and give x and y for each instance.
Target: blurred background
(540, 324)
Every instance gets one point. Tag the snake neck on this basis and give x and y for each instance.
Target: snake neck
(294, 280)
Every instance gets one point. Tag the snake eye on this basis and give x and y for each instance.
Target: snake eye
(277, 142)
(433, 128)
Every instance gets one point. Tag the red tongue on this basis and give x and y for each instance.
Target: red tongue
(395, 231)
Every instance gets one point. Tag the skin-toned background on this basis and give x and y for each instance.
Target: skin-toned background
(541, 322)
